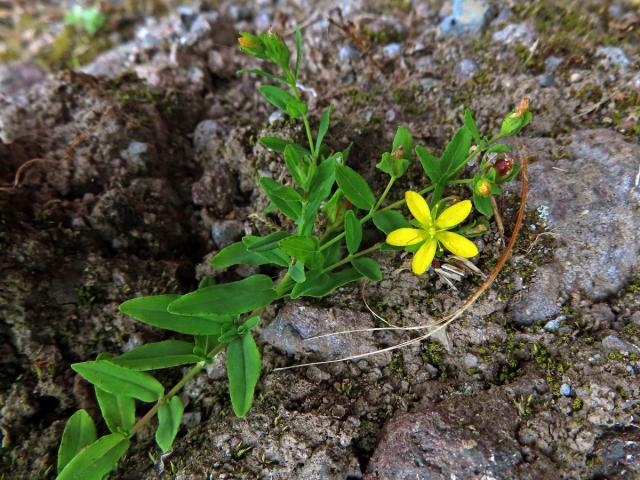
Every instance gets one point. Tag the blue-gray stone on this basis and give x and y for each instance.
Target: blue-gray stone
(469, 16)
(553, 325)
(465, 69)
(347, 53)
(546, 80)
(614, 57)
(552, 63)
(392, 50)
(565, 390)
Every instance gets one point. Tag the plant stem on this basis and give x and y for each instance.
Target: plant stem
(197, 368)
(348, 258)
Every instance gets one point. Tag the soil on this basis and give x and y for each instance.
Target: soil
(125, 166)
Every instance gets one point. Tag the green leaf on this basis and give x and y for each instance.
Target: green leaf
(403, 139)
(278, 145)
(120, 380)
(320, 188)
(430, 164)
(118, 411)
(321, 285)
(295, 164)
(153, 356)
(243, 371)
(284, 101)
(298, 52)
(482, 204)
(238, 253)
(303, 248)
(367, 267)
(152, 310)
(394, 167)
(353, 231)
(296, 271)
(389, 220)
(355, 187)
(169, 416)
(204, 344)
(79, 432)
(499, 148)
(470, 123)
(95, 461)
(455, 154)
(264, 244)
(232, 298)
(324, 127)
(285, 198)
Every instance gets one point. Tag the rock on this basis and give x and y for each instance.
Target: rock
(516, 33)
(467, 17)
(552, 63)
(614, 57)
(613, 344)
(215, 189)
(444, 441)
(347, 53)
(225, 232)
(565, 390)
(17, 76)
(546, 80)
(392, 50)
(588, 207)
(553, 325)
(465, 69)
(575, 77)
(296, 322)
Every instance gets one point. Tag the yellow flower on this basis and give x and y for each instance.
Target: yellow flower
(432, 232)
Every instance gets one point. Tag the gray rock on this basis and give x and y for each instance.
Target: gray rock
(467, 17)
(215, 189)
(515, 33)
(225, 232)
(465, 69)
(392, 50)
(588, 202)
(297, 322)
(347, 53)
(17, 76)
(552, 63)
(565, 390)
(546, 80)
(553, 325)
(613, 344)
(614, 57)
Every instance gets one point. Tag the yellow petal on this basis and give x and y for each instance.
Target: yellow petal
(418, 208)
(453, 215)
(423, 257)
(404, 237)
(457, 244)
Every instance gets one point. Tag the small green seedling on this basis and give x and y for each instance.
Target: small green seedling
(320, 248)
(90, 19)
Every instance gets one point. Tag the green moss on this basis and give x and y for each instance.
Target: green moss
(576, 404)
(434, 353)
(407, 99)
(72, 48)
(397, 365)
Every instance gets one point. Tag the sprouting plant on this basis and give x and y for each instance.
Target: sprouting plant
(319, 249)
(90, 19)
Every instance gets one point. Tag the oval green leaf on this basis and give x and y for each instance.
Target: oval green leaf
(152, 310)
(95, 461)
(153, 356)
(120, 380)
(355, 187)
(243, 371)
(169, 416)
(79, 432)
(368, 267)
(231, 298)
(118, 411)
(353, 231)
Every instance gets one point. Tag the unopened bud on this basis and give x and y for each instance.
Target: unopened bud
(522, 108)
(248, 42)
(483, 187)
(504, 166)
(398, 153)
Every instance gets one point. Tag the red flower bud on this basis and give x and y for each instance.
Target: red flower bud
(504, 166)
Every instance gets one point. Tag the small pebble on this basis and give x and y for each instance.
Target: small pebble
(565, 390)
(575, 77)
(546, 80)
(392, 50)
